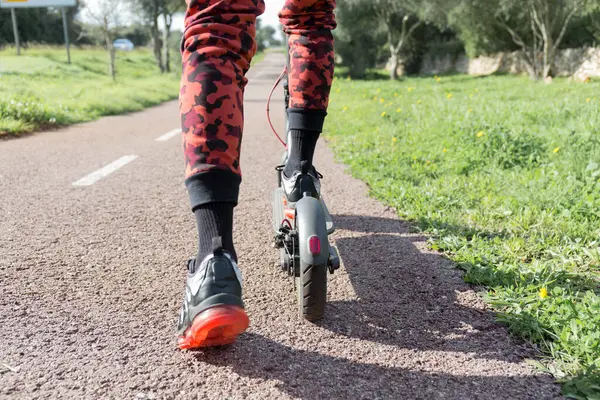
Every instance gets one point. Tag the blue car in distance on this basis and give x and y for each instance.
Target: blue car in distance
(123, 44)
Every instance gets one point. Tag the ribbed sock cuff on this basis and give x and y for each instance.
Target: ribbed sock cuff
(306, 120)
(213, 186)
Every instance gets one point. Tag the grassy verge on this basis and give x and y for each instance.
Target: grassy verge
(258, 57)
(40, 90)
(504, 174)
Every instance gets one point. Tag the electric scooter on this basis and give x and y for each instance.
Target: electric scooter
(302, 232)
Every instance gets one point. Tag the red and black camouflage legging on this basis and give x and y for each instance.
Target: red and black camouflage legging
(217, 47)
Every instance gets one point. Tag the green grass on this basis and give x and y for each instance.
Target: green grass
(504, 174)
(40, 90)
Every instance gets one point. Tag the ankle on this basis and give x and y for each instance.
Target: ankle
(214, 220)
(301, 149)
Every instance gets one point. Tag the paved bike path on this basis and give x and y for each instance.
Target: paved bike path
(91, 280)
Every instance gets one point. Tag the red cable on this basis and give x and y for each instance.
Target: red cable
(269, 103)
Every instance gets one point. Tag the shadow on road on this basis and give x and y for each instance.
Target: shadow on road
(311, 375)
(406, 300)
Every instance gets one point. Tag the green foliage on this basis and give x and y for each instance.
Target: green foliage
(38, 25)
(358, 49)
(475, 24)
(481, 24)
(265, 36)
(138, 34)
(504, 174)
(39, 90)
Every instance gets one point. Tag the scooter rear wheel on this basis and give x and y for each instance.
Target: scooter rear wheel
(311, 287)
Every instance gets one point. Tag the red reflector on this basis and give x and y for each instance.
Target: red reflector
(314, 245)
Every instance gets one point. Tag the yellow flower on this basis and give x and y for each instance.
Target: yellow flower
(410, 89)
(543, 293)
(394, 140)
(382, 100)
(448, 95)
(375, 98)
(428, 162)
(345, 108)
(588, 100)
(338, 90)
(395, 94)
(437, 78)
(383, 114)
(418, 101)
(378, 90)
(480, 134)
(556, 150)
(470, 110)
(471, 96)
(348, 78)
(445, 150)
(398, 110)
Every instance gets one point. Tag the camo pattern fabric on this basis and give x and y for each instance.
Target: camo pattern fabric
(217, 47)
(308, 24)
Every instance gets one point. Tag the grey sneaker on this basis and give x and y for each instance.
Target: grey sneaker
(301, 182)
(213, 312)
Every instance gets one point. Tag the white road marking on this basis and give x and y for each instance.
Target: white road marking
(168, 135)
(104, 171)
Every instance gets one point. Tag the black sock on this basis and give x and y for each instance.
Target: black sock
(301, 147)
(214, 220)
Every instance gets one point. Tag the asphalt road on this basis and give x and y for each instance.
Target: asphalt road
(91, 279)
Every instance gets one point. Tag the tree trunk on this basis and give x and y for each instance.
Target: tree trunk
(156, 44)
(394, 66)
(111, 55)
(548, 57)
(166, 36)
(113, 69)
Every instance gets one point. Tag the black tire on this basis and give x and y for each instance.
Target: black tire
(311, 287)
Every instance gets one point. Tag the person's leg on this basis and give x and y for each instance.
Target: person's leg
(217, 47)
(308, 24)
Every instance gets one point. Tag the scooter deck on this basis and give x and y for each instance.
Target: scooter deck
(279, 212)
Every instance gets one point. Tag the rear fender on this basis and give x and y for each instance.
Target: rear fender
(310, 221)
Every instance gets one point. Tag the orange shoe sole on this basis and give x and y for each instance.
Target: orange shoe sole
(216, 326)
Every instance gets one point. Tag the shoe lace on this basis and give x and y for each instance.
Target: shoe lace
(280, 168)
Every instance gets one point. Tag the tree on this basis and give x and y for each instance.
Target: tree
(265, 36)
(149, 12)
(401, 18)
(169, 7)
(357, 50)
(536, 27)
(106, 16)
(39, 25)
(593, 18)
